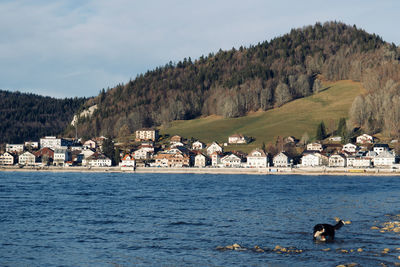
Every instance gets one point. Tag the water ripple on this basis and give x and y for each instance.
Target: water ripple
(73, 219)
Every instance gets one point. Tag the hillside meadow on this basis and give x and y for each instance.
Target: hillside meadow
(294, 118)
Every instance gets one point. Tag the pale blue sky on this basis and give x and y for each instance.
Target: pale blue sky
(68, 48)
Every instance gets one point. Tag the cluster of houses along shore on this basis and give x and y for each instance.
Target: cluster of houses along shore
(50, 150)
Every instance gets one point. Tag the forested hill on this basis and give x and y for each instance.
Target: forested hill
(235, 82)
(25, 117)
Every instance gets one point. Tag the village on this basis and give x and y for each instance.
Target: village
(362, 155)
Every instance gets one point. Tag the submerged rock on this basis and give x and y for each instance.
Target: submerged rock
(353, 264)
(231, 247)
(258, 249)
(278, 249)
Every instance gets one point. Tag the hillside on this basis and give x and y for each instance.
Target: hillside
(25, 117)
(240, 81)
(294, 118)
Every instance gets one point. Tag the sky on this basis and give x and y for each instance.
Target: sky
(69, 48)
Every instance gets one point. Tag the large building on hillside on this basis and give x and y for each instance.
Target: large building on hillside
(146, 134)
(16, 148)
(54, 142)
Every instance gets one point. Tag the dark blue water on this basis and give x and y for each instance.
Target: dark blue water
(75, 219)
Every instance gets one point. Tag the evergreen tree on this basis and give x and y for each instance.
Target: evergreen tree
(341, 130)
(321, 131)
(117, 156)
(108, 148)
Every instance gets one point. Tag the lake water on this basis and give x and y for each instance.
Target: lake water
(110, 219)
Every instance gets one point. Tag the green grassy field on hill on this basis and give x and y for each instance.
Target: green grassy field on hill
(294, 118)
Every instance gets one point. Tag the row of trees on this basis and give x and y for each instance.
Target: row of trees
(379, 109)
(322, 132)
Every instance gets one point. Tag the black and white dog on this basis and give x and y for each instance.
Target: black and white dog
(325, 232)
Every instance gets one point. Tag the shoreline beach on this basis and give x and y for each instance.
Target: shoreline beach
(255, 171)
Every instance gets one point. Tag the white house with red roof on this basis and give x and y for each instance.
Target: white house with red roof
(365, 139)
(127, 161)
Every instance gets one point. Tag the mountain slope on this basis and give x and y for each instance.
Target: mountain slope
(294, 118)
(235, 82)
(25, 117)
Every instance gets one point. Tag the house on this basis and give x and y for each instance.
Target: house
(61, 155)
(76, 157)
(359, 162)
(127, 161)
(146, 134)
(313, 160)
(177, 150)
(384, 158)
(282, 160)
(237, 139)
(335, 139)
(176, 139)
(87, 153)
(147, 146)
(201, 160)
(53, 142)
(177, 160)
(143, 153)
(216, 158)
(197, 145)
(379, 148)
(349, 148)
(364, 139)
(7, 158)
(32, 145)
(231, 160)
(27, 158)
(214, 147)
(175, 144)
(97, 160)
(314, 147)
(257, 159)
(45, 155)
(15, 148)
(75, 147)
(337, 160)
(88, 144)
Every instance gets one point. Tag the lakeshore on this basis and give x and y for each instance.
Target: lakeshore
(233, 171)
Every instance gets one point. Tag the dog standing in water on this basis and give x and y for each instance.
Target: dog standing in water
(325, 232)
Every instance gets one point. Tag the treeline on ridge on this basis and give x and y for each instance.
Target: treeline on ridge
(260, 77)
(28, 117)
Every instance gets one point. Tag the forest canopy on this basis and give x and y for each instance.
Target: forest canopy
(260, 77)
(25, 117)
